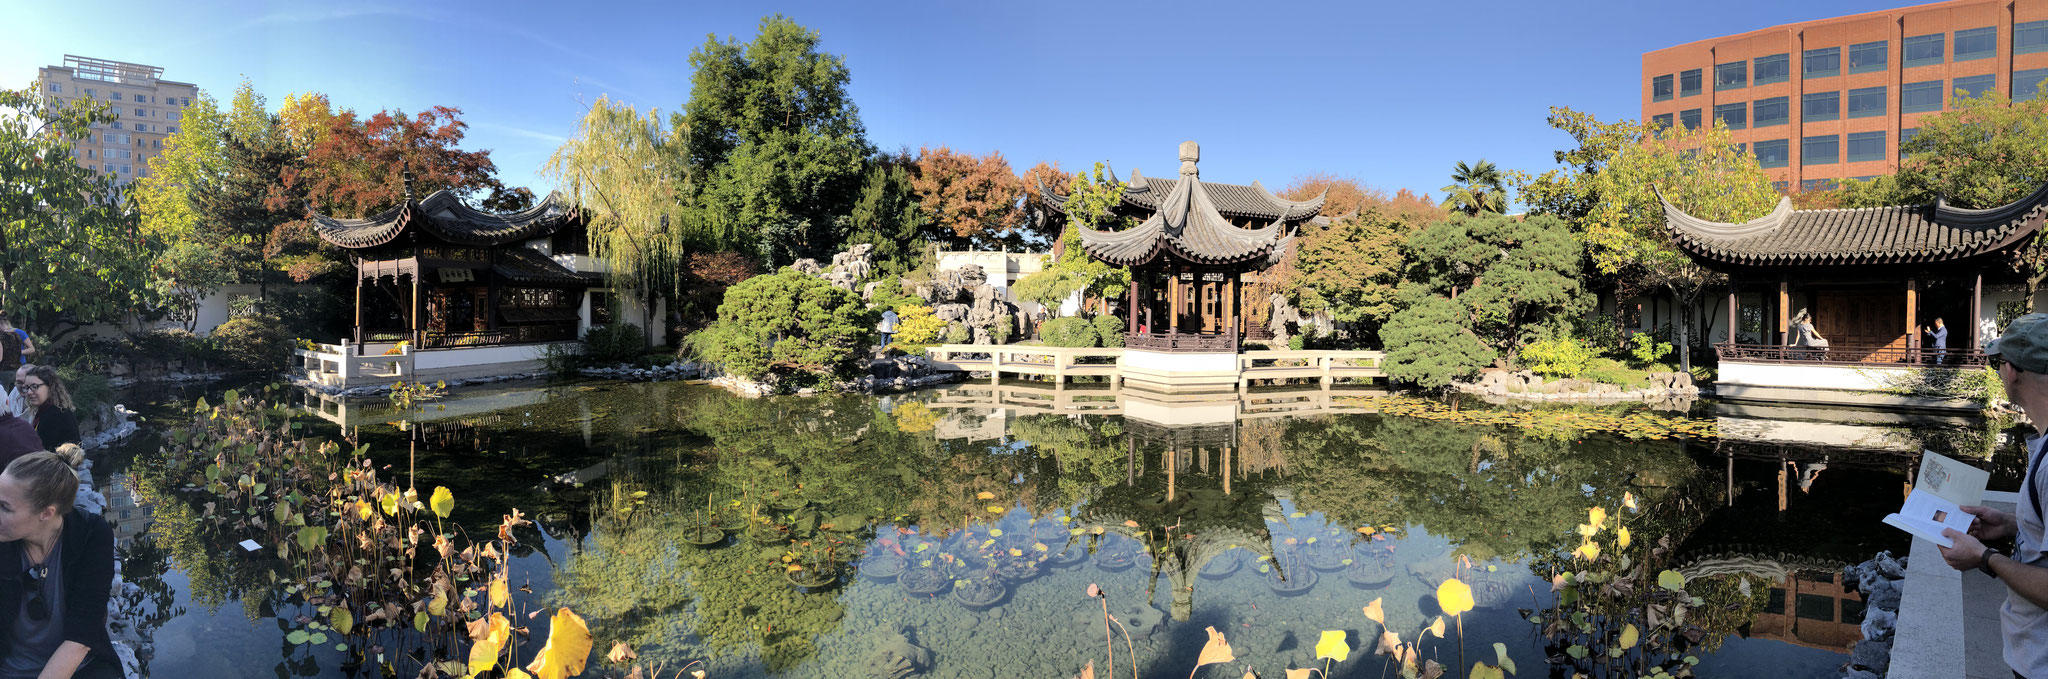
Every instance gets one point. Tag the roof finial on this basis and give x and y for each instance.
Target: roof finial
(1189, 154)
(406, 174)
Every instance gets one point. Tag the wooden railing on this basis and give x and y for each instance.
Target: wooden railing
(1169, 341)
(1874, 356)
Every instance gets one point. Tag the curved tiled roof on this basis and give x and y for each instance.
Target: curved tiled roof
(1192, 219)
(1879, 235)
(443, 215)
(527, 265)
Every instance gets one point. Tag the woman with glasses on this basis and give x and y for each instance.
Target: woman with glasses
(49, 406)
(55, 568)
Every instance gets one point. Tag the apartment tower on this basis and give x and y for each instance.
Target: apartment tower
(149, 108)
(1821, 101)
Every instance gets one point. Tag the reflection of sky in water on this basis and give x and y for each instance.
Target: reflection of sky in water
(1206, 558)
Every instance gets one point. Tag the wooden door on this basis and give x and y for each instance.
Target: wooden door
(1861, 318)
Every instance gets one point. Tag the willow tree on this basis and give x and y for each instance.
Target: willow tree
(630, 173)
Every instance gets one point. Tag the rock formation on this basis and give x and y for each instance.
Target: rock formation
(896, 656)
(964, 299)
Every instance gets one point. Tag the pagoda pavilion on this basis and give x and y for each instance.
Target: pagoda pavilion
(1870, 279)
(435, 273)
(1193, 247)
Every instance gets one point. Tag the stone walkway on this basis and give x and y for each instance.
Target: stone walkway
(1945, 614)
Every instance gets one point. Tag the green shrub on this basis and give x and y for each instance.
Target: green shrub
(1428, 344)
(1071, 331)
(1004, 327)
(791, 324)
(1600, 332)
(616, 342)
(1647, 350)
(252, 344)
(957, 333)
(1614, 372)
(917, 327)
(89, 390)
(1556, 357)
(89, 354)
(1109, 330)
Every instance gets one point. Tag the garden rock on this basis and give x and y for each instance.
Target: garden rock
(896, 656)
(1872, 655)
(1878, 623)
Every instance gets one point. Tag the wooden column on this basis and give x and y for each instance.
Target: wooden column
(1229, 294)
(1131, 309)
(1912, 314)
(1174, 293)
(1732, 316)
(359, 309)
(1784, 313)
(1977, 314)
(418, 333)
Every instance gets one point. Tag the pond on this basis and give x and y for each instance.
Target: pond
(957, 532)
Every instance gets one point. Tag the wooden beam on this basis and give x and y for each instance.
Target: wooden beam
(1784, 313)
(1977, 314)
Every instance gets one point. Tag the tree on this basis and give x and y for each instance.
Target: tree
(185, 274)
(1476, 188)
(1620, 170)
(888, 216)
(1091, 201)
(972, 203)
(1513, 280)
(1429, 344)
(1040, 226)
(240, 196)
(792, 325)
(70, 254)
(776, 142)
(358, 166)
(629, 173)
(1350, 269)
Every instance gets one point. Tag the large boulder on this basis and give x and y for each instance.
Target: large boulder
(896, 656)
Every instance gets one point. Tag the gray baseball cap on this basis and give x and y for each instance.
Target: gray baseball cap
(2024, 344)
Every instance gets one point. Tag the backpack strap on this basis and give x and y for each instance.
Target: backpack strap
(2033, 484)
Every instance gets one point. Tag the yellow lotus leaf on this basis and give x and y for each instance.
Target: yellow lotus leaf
(439, 604)
(1629, 635)
(1375, 613)
(1216, 651)
(1621, 537)
(1596, 515)
(1130, 524)
(363, 510)
(568, 648)
(1437, 628)
(483, 655)
(984, 495)
(1016, 552)
(1482, 670)
(1333, 646)
(443, 501)
(1588, 551)
(1588, 530)
(621, 653)
(390, 503)
(342, 619)
(992, 509)
(1454, 596)
(500, 594)
(516, 673)
(1304, 673)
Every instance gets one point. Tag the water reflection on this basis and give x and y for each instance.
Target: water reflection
(960, 528)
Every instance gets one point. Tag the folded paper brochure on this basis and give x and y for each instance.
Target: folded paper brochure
(1943, 487)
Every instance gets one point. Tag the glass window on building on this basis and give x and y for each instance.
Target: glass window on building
(117, 126)
(1775, 68)
(1818, 185)
(1661, 121)
(1869, 56)
(1906, 137)
(1733, 76)
(2030, 37)
(1867, 102)
(1824, 149)
(1920, 97)
(1816, 106)
(174, 129)
(90, 94)
(1780, 188)
(1823, 62)
(1866, 146)
(1977, 43)
(1690, 118)
(54, 88)
(1772, 111)
(1975, 86)
(1922, 50)
(1733, 116)
(2027, 84)
(1660, 88)
(1774, 152)
(1688, 83)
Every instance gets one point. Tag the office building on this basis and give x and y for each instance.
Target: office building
(1821, 101)
(148, 106)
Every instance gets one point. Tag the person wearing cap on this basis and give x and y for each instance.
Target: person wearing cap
(2021, 358)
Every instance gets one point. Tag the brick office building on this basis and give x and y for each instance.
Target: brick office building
(1825, 100)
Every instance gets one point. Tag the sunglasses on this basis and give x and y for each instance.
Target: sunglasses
(38, 606)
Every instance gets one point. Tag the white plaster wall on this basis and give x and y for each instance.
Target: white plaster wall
(435, 359)
(1806, 376)
(1893, 437)
(1218, 412)
(1161, 361)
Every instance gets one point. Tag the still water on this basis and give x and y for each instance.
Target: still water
(956, 532)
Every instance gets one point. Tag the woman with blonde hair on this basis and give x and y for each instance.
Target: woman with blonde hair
(49, 407)
(56, 565)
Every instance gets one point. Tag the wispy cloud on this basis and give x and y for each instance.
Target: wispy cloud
(523, 132)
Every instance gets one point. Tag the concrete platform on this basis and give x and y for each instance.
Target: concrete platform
(1946, 615)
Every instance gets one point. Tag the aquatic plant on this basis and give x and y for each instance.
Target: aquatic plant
(1624, 421)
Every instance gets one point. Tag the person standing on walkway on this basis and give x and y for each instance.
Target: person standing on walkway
(1940, 334)
(2021, 357)
(887, 327)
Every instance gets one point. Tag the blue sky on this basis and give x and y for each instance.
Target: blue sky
(1389, 93)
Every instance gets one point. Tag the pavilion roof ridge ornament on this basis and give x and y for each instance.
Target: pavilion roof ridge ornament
(1899, 234)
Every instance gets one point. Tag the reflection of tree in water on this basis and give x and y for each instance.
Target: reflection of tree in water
(153, 601)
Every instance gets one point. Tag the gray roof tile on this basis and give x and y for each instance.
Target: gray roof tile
(443, 215)
(1879, 235)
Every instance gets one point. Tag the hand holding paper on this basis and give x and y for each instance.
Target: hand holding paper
(1938, 497)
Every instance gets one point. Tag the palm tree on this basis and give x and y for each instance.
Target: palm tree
(1476, 188)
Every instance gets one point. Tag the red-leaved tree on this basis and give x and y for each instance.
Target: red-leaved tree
(971, 202)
